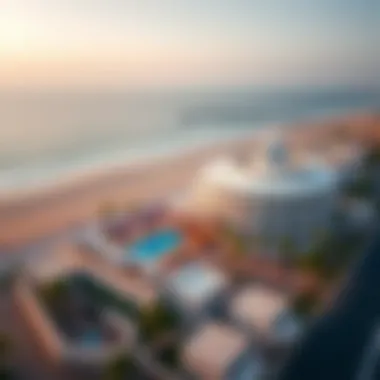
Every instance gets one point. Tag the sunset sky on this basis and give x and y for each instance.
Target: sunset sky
(86, 43)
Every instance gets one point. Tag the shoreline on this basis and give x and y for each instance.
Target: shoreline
(96, 171)
(87, 171)
(42, 213)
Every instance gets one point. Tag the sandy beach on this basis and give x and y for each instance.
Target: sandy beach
(41, 214)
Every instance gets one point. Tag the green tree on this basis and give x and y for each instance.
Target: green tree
(170, 355)
(156, 320)
(122, 367)
(304, 304)
(6, 371)
(54, 292)
(5, 347)
(240, 244)
(288, 251)
(256, 243)
(236, 242)
(372, 157)
(313, 261)
(361, 188)
(320, 259)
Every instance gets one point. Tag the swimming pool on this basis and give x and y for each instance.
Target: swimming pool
(149, 249)
(91, 338)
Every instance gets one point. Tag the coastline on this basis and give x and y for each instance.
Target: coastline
(128, 162)
(44, 211)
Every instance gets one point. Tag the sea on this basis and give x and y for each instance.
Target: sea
(50, 136)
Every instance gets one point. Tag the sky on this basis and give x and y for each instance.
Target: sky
(121, 43)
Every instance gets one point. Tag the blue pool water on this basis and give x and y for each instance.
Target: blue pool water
(90, 338)
(151, 248)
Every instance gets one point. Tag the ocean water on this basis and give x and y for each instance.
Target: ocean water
(48, 137)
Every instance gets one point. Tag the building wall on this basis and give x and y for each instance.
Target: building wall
(33, 315)
(299, 219)
(272, 218)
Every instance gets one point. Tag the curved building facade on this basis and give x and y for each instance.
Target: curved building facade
(272, 196)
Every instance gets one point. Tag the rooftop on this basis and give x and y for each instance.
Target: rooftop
(213, 349)
(262, 179)
(258, 307)
(196, 283)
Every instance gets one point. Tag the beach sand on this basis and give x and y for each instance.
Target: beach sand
(25, 220)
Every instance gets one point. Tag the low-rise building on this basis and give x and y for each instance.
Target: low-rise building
(221, 352)
(194, 287)
(265, 313)
(82, 314)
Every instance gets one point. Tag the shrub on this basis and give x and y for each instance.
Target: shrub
(6, 373)
(5, 347)
(121, 368)
(169, 355)
(304, 304)
(156, 320)
(52, 293)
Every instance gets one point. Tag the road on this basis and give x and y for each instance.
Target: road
(334, 346)
(367, 369)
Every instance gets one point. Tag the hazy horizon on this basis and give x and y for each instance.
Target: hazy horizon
(177, 43)
(89, 82)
